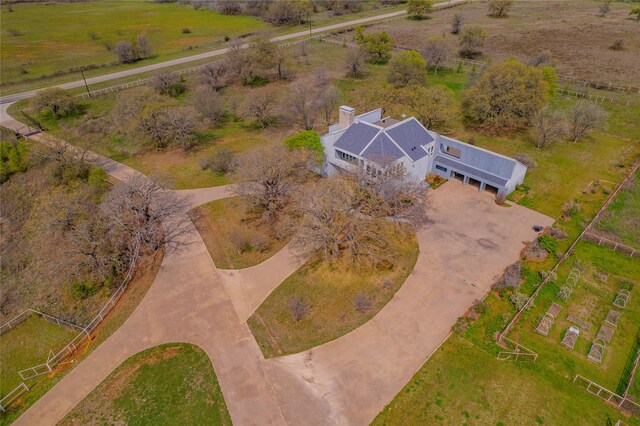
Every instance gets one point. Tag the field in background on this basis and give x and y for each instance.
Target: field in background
(47, 45)
(621, 222)
(578, 39)
(173, 383)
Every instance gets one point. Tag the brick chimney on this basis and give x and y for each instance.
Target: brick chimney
(347, 115)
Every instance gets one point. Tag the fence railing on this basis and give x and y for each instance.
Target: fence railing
(607, 395)
(18, 319)
(54, 359)
(514, 351)
(12, 396)
(602, 241)
(569, 251)
(72, 346)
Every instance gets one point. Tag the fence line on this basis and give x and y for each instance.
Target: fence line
(21, 317)
(632, 376)
(12, 396)
(607, 395)
(595, 238)
(564, 257)
(54, 359)
(514, 351)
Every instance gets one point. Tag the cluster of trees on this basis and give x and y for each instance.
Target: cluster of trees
(550, 125)
(132, 51)
(338, 217)
(511, 95)
(286, 12)
(304, 102)
(67, 232)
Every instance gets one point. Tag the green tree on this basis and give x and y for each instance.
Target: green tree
(636, 12)
(506, 95)
(54, 100)
(472, 41)
(307, 140)
(434, 106)
(377, 46)
(406, 68)
(418, 9)
(499, 8)
(13, 159)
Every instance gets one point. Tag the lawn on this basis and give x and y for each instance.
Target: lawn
(463, 384)
(169, 384)
(234, 236)
(28, 345)
(135, 292)
(622, 218)
(331, 292)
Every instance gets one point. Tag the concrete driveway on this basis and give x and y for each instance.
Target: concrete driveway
(350, 380)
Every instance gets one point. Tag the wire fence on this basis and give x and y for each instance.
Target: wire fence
(606, 394)
(54, 359)
(566, 255)
(24, 315)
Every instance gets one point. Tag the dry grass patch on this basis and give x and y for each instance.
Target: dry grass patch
(322, 301)
(578, 39)
(234, 234)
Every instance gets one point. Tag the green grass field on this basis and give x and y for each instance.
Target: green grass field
(28, 345)
(219, 222)
(464, 385)
(168, 384)
(622, 218)
(330, 291)
(47, 45)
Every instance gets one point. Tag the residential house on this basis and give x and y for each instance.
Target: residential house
(375, 146)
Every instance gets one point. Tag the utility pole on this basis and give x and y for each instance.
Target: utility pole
(86, 86)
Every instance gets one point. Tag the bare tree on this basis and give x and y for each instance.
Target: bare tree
(168, 83)
(170, 125)
(240, 61)
(328, 99)
(262, 106)
(499, 8)
(541, 59)
(213, 74)
(303, 103)
(355, 61)
(55, 100)
(208, 103)
(456, 23)
(267, 177)
(437, 51)
(148, 212)
(143, 46)
(547, 126)
(125, 52)
(228, 7)
(585, 116)
(336, 223)
(603, 9)
(129, 106)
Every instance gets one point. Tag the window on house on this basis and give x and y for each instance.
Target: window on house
(454, 152)
(346, 157)
(439, 167)
(430, 150)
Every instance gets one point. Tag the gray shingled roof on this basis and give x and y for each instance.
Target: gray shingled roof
(382, 149)
(411, 136)
(356, 138)
(468, 170)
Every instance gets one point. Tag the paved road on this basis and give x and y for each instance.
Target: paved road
(134, 71)
(211, 54)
